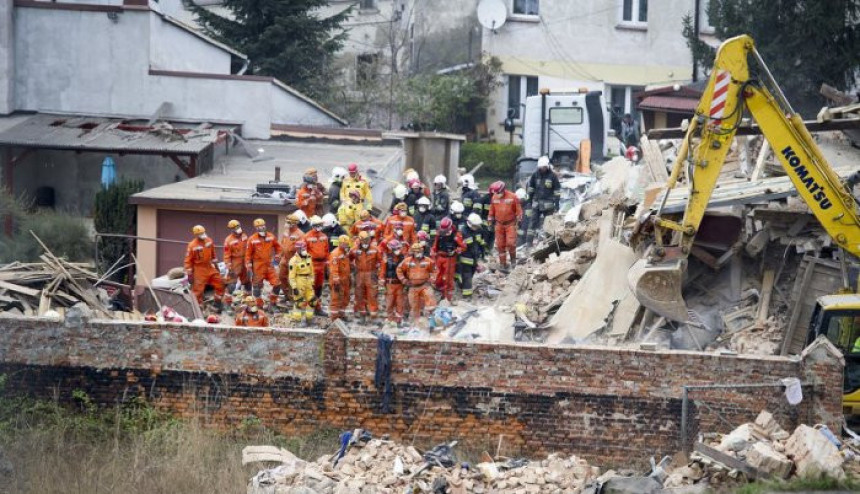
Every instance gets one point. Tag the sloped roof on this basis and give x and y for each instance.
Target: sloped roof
(669, 103)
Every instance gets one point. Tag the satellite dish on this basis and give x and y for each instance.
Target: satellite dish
(492, 14)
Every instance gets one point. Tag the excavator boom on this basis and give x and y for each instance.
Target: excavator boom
(656, 280)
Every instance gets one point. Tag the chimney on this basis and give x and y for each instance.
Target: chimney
(277, 174)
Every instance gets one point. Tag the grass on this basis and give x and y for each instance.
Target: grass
(800, 485)
(130, 449)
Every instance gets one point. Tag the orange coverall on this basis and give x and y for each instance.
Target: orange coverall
(259, 256)
(234, 258)
(406, 223)
(288, 247)
(505, 210)
(395, 299)
(416, 274)
(365, 260)
(339, 271)
(372, 226)
(308, 199)
(200, 260)
(318, 249)
(445, 250)
(257, 319)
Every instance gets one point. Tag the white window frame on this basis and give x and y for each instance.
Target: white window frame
(524, 87)
(633, 23)
(522, 17)
(704, 22)
(374, 8)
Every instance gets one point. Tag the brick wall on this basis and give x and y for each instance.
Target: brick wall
(612, 406)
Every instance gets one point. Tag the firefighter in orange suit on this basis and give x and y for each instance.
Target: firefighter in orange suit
(318, 247)
(415, 272)
(506, 212)
(251, 315)
(339, 273)
(367, 223)
(200, 266)
(234, 258)
(292, 234)
(395, 302)
(302, 284)
(261, 255)
(309, 197)
(365, 260)
(400, 220)
(447, 246)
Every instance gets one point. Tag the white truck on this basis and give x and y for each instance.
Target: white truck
(555, 123)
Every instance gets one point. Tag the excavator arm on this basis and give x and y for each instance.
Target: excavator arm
(657, 279)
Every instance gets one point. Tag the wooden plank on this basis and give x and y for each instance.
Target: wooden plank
(730, 461)
(800, 286)
(12, 287)
(760, 160)
(766, 293)
(755, 130)
(654, 161)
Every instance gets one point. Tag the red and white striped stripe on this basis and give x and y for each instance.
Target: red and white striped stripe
(721, 93)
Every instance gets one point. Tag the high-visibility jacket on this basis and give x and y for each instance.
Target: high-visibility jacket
(288, 242)
(475, 246)
(308, 199)
(372, 226)
(414, 271)
(262, 249)
(349, 214)
(505, 208)
(359, 184)
(472, 201)
(301, 268)
(544, 191)
(234, 250)
(388, 266)
(317, 245)
(405, 223)
(339, 266)
(333, 233)
(200, 255)
(448, 245)
(365, 260)
(257, 319)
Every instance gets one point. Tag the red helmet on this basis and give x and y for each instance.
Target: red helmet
(394, 244)
(213, 319)
(352, 168)
(446, 225)
(497, 187)
(414, 183)
(423, 236)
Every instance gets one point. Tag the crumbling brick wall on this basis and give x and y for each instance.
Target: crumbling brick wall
(612, 406)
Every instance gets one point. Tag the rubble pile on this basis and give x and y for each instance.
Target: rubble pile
(382, 466)
(764, 450)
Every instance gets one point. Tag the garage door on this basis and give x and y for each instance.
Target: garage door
(176, 225)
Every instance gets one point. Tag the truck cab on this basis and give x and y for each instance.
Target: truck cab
(838, 318)
(555, 123)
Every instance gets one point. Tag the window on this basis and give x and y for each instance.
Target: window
(634, 11)
(367, 5)
(527, 7)
(704, 19)
(519, 88)
(565, 116)
(366, 66)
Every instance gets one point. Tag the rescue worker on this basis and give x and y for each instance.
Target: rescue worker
(505, 213)
(302, 284)
(424, 219)
(356, 182)
(262, 253)
(251, 315)
(332, 229)
(416, 192)
(398, 195)
(365, 259)
(395, 299)
(308, 198)
(457, 215)
(339, 274)
(469, 195)
(350, 210)
(409, 175)
(367, 223)
(425, 241)
(544, 192)
(201, 266)
(447, 246)
(234, 258)
(474, 251)
(292, 234)
(523, 226)
(317, 245)
(441, 200)
(400, 220)
(415, 272)
(321, 191)
(303, 223)
(489, 229)
(399, 235)
(334, 200)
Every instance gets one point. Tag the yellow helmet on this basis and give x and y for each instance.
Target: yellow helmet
(311, 171)
(343, 240)
(198, 230)
(401, 206)
(362, 235)
(233, 224)
(416, 247)
(250, 300)
(293, 219)
(364, 214)
(259, 222)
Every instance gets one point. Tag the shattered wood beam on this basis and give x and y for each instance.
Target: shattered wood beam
(754, 130)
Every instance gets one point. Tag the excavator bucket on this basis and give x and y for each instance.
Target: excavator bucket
(657, 286)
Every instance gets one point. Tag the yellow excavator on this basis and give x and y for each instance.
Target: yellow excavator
(657, 279)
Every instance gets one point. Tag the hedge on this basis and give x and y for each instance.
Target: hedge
(499, 159)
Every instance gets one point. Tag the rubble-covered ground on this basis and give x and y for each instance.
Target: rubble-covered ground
(754, 451)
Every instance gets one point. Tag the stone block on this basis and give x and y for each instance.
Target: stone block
(813, 454)
(763, 457)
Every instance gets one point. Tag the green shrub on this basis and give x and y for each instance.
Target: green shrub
(500, 160)
(65, 234)
(113, 214)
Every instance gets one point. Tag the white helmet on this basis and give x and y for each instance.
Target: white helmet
(423, 201)
(412, 175)
(338, 173)
(457, 207)
(521, 193)
(316, 220)
(474, 219)
(543, 161)
(468, 181)
(440, 179)
(329, 220)
(303, 218)
(400, 191)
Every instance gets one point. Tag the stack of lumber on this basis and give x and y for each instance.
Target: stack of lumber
(35, 288)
